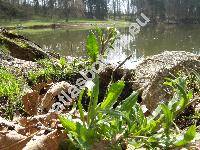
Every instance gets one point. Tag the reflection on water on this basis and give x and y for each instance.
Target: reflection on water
(65, 42)
(154, 40)
(151, 40)
(124, 47)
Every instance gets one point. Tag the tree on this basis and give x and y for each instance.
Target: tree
(36, 6)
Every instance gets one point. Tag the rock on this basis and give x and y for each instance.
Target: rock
(151, 73)
(20, 47)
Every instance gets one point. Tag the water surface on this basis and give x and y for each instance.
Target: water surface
(151, 40)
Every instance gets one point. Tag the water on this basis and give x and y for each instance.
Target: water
(151, 40)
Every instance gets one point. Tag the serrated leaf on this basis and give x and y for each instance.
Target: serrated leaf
(113, 93)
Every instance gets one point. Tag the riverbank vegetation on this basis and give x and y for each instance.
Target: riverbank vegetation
(72, 24)
(102, 116)
(165, 11)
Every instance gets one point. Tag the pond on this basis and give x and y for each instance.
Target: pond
(151, 40)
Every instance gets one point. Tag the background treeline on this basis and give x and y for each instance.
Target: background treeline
(168, 11)
(171, 11)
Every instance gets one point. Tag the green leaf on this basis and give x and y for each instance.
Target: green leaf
(197, 76)
(113, 93)
(142, 121)
(129, 102)
(80, 107)
(62, 62)
(99, 31)
(168, 115)
(156, 112)
(93, 100)
(173, 103)
(92, 47)
(181, 87)
(190, 95)
(115, 114)
(152, 139)
(188, 137)
(190, 134)
(82, 136)
(168, 83)
(67, 124)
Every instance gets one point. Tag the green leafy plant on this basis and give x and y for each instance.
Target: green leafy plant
(10, 92)
(126, 125)
(54, 69)
(187, 82)
(99, 40)
(92, 47)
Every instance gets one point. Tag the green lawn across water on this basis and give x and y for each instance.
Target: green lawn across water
(72, 23)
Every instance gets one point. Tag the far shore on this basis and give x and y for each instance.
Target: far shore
(71, 24)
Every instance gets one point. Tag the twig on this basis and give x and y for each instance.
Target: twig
(121, 64)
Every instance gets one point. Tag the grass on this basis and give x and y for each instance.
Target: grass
(121, 22)
(80, 23)
(32, 31)
(28, 23)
